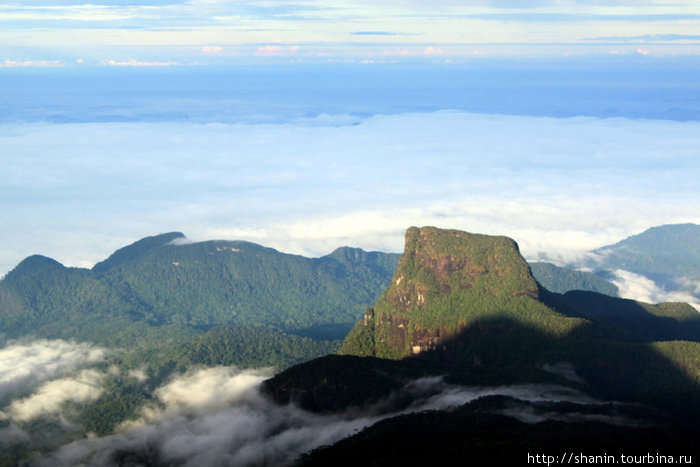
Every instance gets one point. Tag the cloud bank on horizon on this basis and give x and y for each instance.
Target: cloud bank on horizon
(171, 32)
(77, 192)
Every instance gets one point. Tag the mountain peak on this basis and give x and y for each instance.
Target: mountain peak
(445, 260)
(33, 264)
(663, 238)
(136, 250)
(445, 280)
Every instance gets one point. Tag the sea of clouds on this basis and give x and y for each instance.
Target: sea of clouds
(559, 186)
(76, 192)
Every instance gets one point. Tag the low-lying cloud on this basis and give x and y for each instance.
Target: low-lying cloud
(638, 287)
(48, 399)
(210, 417)
(24, 364)
(217, 416)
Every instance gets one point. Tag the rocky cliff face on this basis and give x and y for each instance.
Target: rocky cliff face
(446, 281)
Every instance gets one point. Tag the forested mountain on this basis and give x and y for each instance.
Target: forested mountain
(162, 289)
(560, 279)
(465, 308)
(668, 255)
(662, 251)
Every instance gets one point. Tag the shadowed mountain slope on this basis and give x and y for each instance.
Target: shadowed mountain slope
(467, 306)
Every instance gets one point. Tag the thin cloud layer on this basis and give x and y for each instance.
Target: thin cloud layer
(170, 30)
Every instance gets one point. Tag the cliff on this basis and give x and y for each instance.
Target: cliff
(446, 281)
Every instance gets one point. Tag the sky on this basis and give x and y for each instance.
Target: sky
(192, 32)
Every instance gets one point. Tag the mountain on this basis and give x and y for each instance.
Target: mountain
(446, 281)
(667, 255)
(662, 251)
(157, 310)
(462, 352)
(137, 250)
(466, 307)
(163, 287)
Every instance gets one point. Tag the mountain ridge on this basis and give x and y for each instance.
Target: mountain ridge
(619, 349)
(136, 249)
(155, 286)
(667, 254)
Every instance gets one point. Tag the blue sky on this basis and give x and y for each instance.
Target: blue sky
(197, 32)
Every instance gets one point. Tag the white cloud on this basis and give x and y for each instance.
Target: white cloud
(138, 374)
(137, 63)
(210, 388)
(212, 49)
(561, 186)
(638, 287)
(691, 285)
(277, 50)
(215, 416)
(27, 364)
(47, 400)
(7, 63)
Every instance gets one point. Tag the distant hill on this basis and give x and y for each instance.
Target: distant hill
(160, 289)
(560, 280)
(669, 250)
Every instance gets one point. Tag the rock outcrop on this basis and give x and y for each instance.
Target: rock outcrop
(447, 281)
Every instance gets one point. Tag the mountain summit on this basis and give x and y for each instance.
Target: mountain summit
(467, 306)
(447, 279)
(137, 250)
